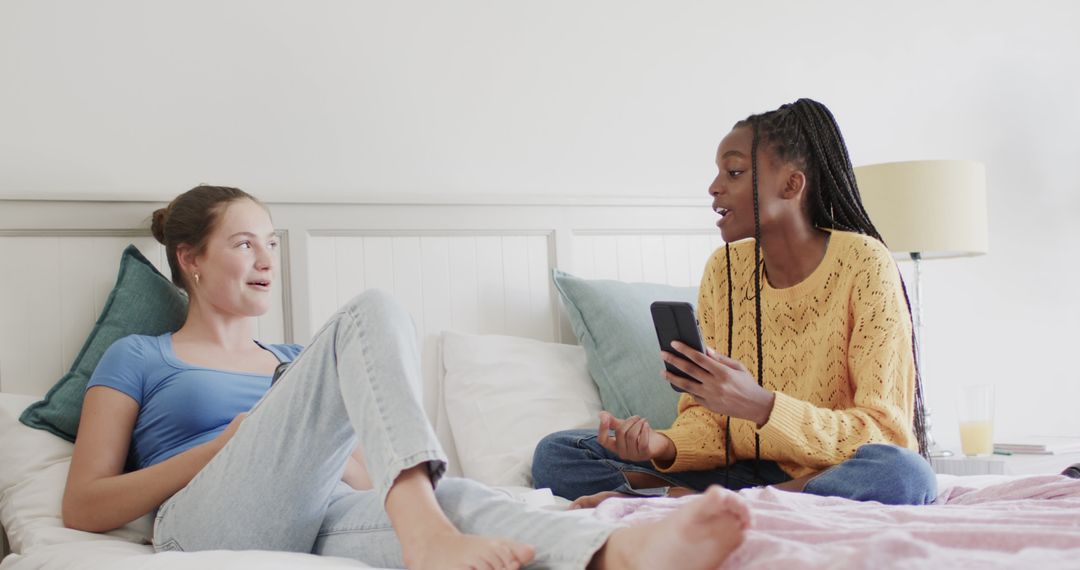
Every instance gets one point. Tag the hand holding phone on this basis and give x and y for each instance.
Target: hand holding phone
(731, 389)
(676, 321)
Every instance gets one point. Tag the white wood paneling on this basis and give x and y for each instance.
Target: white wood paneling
(490, 288)
(543, 317)
(465, 282)
(674, 258)
(653, 262)
(484, 284)
(322, 283)
(435, 284)
(378, 268)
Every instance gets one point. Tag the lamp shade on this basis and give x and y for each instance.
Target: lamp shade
(934, 207)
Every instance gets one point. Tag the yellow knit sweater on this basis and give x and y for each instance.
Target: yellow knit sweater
(837, 353)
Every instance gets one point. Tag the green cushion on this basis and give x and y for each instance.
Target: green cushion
(142, 302)
(613, 323)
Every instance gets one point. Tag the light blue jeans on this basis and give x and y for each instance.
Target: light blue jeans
(276, 485)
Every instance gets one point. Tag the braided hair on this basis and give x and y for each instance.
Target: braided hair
(805, 133)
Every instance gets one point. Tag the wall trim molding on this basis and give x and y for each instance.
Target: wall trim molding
(382, 199)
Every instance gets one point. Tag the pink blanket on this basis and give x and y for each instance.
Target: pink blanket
(1031, 522)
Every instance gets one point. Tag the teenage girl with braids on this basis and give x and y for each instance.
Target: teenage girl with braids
(804, 291)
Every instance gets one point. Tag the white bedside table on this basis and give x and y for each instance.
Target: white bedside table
(1017, 464)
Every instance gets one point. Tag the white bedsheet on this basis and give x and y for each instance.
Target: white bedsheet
(121, 555)
(59, 548)
(50, 546)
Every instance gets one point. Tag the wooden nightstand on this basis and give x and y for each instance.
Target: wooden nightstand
(1004, 464)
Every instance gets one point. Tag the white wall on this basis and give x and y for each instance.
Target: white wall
(575, 97)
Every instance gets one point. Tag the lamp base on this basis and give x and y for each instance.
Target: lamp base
(937, 452)
(933, 449)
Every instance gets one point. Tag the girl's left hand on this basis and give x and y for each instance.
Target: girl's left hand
(726, 386)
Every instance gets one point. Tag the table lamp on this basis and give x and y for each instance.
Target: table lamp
(927, 209)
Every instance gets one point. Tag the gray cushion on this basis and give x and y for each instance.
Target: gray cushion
(613, 323)
(142, 302)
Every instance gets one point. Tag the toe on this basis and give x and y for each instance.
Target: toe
(523, 553)
(730, 502)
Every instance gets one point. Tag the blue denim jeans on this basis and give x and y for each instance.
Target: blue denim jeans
(573, 464)
(276, 485)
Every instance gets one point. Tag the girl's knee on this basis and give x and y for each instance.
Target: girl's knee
(552, 446)
(909, 473)
(373, 299)
(553, 450)
(894, 458)
(547, 449)
(376, 305)
(878, 472)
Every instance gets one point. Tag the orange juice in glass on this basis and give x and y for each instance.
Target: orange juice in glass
(976, 407)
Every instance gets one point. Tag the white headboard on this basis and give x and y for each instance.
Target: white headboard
(476, 265)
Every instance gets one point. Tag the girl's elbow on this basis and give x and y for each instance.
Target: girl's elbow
(76, 516)
(71, 516)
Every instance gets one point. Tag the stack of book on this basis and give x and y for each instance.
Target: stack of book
(1039, 445)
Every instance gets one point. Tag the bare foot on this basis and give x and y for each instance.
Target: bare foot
(700, 535)
(456, 550)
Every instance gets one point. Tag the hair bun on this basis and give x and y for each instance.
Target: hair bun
(157, 225)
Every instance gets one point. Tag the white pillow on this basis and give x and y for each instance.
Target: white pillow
(24, 450)
(503, 394)
(33, 472)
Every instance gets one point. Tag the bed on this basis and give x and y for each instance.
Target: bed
(476, 274)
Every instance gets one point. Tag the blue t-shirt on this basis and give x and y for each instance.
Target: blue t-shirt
(180, 405)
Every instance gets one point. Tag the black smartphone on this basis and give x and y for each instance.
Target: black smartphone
(676, 321)
(281, 368)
